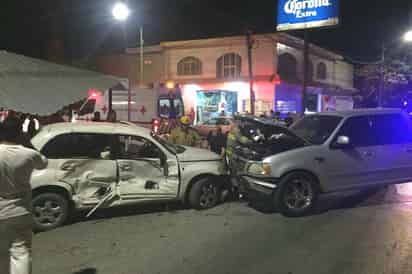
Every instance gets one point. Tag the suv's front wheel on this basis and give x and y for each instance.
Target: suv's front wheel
(297, 194)
(50, 210)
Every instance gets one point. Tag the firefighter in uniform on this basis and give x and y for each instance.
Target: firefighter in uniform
(234, 137)
(183, 134)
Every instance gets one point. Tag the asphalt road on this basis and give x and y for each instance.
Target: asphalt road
(353, 233)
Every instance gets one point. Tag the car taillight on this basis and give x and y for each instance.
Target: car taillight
(155, 126)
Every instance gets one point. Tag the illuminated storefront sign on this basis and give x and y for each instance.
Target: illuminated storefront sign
(304, 14)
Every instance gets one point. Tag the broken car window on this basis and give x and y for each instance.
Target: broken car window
(134, 147)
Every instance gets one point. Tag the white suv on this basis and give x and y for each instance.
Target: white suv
(94, 165)
(328, 152)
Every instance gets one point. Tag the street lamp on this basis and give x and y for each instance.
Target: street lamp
(120, 11)
(407, 37)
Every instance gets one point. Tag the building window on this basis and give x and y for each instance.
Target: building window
(189, 66)
(229, 66)
(321, 71)
(310, 71)
(287, 67)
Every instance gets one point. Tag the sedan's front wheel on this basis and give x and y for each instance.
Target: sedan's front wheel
(297, 194)
(50, 210)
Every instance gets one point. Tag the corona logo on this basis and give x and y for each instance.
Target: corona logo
(299, 7)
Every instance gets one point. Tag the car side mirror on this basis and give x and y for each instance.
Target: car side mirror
(342, 142)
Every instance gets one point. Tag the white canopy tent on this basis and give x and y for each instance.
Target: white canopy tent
(39, 87)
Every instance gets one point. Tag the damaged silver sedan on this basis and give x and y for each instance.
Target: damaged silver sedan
(97, 165)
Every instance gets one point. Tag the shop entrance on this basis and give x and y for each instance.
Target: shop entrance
(211, 103)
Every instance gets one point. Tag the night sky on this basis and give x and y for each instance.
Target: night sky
(86, 26)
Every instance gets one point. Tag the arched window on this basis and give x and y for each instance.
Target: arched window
(287, 67)
(321, 71)
(189, 66)
(229, 66)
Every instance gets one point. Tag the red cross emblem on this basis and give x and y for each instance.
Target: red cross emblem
(143, 110)
(104, 109)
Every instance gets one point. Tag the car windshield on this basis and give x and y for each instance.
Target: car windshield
(316, 129)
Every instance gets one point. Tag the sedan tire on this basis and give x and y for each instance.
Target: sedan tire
(50, 210)
(297, 194)
(204, 194)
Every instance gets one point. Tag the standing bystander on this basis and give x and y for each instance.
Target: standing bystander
(16, 166)
(217, 141)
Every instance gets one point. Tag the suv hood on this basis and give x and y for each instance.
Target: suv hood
(192, 154)
(276, 144)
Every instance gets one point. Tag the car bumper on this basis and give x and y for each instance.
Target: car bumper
(253, 186)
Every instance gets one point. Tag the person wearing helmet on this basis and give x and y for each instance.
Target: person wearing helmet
(184, 134)
(185, 120)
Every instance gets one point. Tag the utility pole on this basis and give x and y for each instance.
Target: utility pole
(249, 44)
(141, 78)
(110, 101)
(382, 78)
(305, 70)
(141, 56)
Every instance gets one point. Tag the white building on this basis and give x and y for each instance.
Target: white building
(213, 73)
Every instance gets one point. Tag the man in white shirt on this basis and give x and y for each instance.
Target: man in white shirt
(16, 166)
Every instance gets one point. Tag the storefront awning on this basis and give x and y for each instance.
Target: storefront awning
(40, 87)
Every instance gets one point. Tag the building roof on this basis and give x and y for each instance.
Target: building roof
(298, 43)
(287, 39)
(37, 86)
(146, 50)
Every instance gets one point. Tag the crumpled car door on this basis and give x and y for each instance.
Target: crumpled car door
(90, 178)
(142, 172)
(142, 179)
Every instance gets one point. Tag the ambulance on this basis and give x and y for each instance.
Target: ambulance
(149, 107)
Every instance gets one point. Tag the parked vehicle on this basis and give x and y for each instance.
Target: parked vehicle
(148, 105)
(94, 165)
(225, 123)
(327, 152)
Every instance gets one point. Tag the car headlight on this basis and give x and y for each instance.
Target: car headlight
(261, 169)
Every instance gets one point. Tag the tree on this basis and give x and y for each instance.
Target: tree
(396, 70)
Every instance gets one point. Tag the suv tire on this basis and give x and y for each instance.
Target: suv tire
(204, 194)
(297, 194)
(50, 210)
